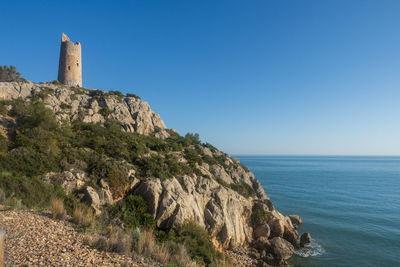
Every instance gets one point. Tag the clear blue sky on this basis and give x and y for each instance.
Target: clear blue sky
(251, 77)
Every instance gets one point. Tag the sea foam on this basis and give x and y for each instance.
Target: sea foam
(310, 250)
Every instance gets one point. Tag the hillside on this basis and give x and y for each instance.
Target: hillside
(109, 154)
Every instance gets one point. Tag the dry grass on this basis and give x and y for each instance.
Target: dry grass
(161, 253)
(57, 208)
(116, 240)
(83, 216)
(120, 241)
(2, 236)
(145, 243)
(183, 258)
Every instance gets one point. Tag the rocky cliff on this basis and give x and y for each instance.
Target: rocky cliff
(91, 106)
(189, 182)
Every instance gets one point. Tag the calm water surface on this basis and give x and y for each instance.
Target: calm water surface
(350, 205)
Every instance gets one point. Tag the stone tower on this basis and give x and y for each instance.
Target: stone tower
(70, 66)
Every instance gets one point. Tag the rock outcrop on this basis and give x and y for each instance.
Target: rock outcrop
(92, 106)
(69, 180)
(223, 212)
(296, 220)
(305, 239)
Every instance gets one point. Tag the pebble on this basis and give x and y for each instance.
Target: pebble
(35, 239)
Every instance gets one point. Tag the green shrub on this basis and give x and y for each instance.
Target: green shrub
(192, 139)
(3, 144)
(132, 210)
(9, 74)
(118, 93)
(133, 95)
(198, 243)
(65, 106)
(96, 93)
(32, 191)
(269, 204)
(243, 189)
(3, 109)
(193, 156)
(163, 167)
(259, 215)
(44, 92)
(105, 112)
(34, 114)
(56, 82)
(29, 161)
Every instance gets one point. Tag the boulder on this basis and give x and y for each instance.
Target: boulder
(305, 239)
(296, 220)
(262, 244)
(105, 194)
(290, 234)
(262, 231)
(277, 228)
(281, 248)
(93, 199)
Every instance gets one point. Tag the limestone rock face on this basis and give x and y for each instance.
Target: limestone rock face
(13, 90)
(69, 181)
(91, 106)
(222, 212)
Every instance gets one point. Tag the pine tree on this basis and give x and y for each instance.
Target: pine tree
(9, 74)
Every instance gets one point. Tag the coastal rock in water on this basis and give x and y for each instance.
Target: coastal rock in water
(296, 220)
(305, 239)
(281, 248)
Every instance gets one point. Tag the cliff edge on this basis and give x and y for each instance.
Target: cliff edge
(179, 178)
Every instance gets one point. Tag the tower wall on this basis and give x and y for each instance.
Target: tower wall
(70, 65)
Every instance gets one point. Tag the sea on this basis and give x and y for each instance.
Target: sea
(349, 204)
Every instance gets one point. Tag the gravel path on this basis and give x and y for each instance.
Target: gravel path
(34, 239)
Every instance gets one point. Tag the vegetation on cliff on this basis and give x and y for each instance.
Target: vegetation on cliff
(38, 144)
(107, 163)
(9, 74)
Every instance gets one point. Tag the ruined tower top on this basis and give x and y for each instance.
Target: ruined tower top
(70, 66)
